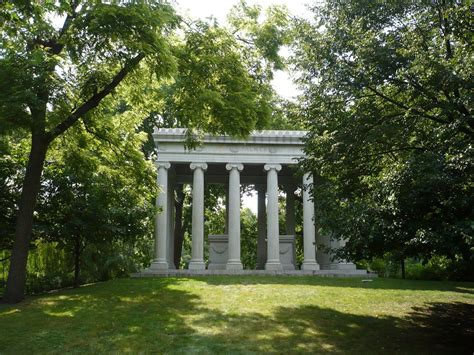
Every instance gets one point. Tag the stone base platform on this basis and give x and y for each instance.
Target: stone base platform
(187, 273)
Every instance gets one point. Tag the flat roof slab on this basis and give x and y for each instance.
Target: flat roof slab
(261, 147)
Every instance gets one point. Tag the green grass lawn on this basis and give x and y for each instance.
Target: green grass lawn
(245, 314)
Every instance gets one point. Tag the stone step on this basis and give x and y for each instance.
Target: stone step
(186, 273)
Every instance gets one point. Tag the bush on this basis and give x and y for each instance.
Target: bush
(436, 268)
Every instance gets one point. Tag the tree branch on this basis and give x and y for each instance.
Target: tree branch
(388, 151)
(55, 43)
(69, 18)
(95, 100)
(111, 144)
(463, 129)
(5, 259)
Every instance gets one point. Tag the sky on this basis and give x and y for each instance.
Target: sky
(219, 9)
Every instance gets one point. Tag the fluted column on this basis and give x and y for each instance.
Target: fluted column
(273, 233)
(233, 262)
(261, 228)
(309, 240)
(197, 232)
(161, 219)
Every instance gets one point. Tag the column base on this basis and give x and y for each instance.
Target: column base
(158, 264)
(274, 266)
(234, 265)
(197, 265)
(171, 265)
(310, 265)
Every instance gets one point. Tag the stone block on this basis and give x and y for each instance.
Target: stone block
(287, 252)
(218, 251)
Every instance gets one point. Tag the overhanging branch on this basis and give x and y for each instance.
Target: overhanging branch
(95, 100)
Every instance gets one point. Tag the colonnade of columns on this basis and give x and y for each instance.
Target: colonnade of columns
(268, 258)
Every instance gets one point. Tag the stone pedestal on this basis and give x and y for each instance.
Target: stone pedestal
(326, 258)
(218, 251)
(322, 256)
(287, 252)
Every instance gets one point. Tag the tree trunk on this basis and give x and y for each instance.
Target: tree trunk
(178, 225)
(15, 289)
(77, 261)
(402, 264)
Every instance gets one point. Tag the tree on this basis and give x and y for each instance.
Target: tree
(224, 73)
(51, 78)
(98, 191)
(11, 166)
(388, 104)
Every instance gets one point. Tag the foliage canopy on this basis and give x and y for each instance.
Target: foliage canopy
(388, 102)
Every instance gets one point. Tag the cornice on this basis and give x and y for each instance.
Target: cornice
(256, 137)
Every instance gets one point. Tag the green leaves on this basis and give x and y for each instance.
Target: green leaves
(265, 32)
(57, 55)
(388, 102)
(213, 90)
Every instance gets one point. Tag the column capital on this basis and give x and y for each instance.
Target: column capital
(163, 164)
(196, 165)
(268, 167)
(237, 166)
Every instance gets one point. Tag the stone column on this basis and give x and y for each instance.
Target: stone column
(290, 209)
(309, 241)
(161, 219)
(261, 227)
(273, 234)
(197, 231)
(233, 262)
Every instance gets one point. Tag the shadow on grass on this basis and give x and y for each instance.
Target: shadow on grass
(154, 315)
(99, 318)
(313, 329)
(451, 324)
